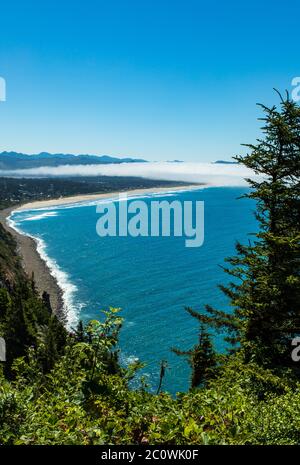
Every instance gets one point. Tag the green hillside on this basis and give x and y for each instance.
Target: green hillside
(60, 387)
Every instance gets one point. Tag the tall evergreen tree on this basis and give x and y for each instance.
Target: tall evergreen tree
(79, 332)
(265, 289)
(201, 357)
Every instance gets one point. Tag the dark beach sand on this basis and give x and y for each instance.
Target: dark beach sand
(33, 263)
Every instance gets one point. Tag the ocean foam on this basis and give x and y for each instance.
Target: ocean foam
(62, 278)
(41, 216)
(95, 202)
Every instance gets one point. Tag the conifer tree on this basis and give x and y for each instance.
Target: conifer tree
(47, 302)
(265, 287)
(201, 357)
(79, 332)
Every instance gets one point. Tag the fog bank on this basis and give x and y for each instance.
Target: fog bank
(208, 173)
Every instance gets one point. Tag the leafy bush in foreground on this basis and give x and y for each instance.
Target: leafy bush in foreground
(84, 399)
(61, 388)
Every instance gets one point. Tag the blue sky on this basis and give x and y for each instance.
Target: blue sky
(153, 79)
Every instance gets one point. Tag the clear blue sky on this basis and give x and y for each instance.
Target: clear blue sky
(154, 79)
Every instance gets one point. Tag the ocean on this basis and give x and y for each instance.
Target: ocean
(152, 279)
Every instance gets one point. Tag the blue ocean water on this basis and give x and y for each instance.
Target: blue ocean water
(151, 279)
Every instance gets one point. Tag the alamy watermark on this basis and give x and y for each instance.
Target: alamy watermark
(2, 350)
(296, 351)
(296, 89)
(2, 89)
(138, 218)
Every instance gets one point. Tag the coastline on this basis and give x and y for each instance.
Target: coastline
(27, 246)
(92, 197)
(33, 263)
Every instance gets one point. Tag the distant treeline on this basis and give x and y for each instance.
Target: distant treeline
(15, 190)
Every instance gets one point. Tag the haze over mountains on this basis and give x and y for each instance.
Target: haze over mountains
(14, 160)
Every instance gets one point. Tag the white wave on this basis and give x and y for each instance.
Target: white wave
(41, 216)
(127, 360)
(68, 288)
(62, 278)
(92, 203)
(131, 359)
(13, 224)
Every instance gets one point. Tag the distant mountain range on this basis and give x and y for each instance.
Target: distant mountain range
(14, 160)
(225, 162)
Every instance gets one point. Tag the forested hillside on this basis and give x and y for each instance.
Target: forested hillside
(16, 190)
(69, 388)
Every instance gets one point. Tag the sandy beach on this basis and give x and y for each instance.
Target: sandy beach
(27, 247)
(33, 263)
(91, 197)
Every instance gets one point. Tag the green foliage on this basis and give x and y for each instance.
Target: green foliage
(265, 289)
(246, 405)
(70, 388)
(25, 319)
(202, 358)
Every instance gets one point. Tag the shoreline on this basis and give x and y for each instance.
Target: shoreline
(39, 204)
(27, 246)
(33, 263)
